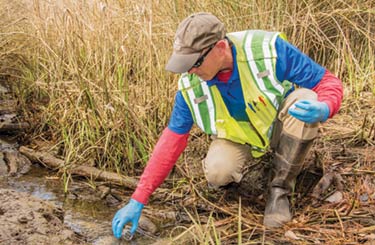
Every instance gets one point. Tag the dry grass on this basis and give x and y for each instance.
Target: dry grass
(90, 77)
(345, 148)
(95, 69)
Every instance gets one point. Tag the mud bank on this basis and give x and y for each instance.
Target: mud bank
(28, 220)
(29, 212)
(24, 219)
(34, 209)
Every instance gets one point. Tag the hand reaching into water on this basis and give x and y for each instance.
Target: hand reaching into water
(129, 213)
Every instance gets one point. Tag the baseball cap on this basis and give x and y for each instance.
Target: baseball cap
(194, 34)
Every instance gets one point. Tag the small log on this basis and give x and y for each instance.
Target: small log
(44, 158)
(97, 174)
(86, 171)
(52, 162)
(8, 122)
(19, 126)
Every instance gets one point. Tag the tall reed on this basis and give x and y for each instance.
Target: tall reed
(94, 70)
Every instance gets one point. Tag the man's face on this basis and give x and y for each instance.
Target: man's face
(207, 65)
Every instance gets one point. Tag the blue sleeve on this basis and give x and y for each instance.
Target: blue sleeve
(295, 66)
(181, 120)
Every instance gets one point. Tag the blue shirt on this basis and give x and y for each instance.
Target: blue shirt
(291, 65)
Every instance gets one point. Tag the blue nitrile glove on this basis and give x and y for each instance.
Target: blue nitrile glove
(129, 213)
(309, 111)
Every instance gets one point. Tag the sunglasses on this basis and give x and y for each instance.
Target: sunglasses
(200, 60)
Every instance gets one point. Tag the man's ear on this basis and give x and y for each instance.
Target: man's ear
(221, 45)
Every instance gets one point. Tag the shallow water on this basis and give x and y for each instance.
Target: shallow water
(90, 217)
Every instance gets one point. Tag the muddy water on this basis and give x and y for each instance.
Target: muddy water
(85, 213)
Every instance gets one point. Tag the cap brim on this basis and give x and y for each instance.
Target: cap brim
(180, 63)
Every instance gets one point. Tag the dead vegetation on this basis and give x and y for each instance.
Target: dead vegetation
(333, 201)
(88, 77)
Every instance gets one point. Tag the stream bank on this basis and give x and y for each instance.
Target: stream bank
(34, 208)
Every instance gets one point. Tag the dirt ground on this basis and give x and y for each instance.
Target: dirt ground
(28, 220)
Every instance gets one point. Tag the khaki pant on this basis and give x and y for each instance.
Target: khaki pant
(226, 161)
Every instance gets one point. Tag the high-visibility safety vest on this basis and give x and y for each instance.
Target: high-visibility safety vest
(262, 91)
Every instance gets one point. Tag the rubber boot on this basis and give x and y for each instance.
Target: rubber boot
(287, 164)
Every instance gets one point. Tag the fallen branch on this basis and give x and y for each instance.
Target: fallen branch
(52, 162)
(13, 126)
(86, 171)
(42, 157)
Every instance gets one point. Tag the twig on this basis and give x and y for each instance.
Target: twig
(367, 229)
(182, 234)
(352, 205)
(237, 233)
(340, 221)
(264, 235)
(364, 171)
(359, 173)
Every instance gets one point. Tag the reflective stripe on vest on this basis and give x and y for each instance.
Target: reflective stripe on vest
(200, 103)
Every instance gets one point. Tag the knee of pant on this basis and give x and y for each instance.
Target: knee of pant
(224, 162)
(220, 174)
(298, 94)
(217, 178)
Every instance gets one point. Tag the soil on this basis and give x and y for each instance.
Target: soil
(28, 220)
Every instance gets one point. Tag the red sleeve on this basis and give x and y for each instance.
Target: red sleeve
(330, 91)
(166, 152)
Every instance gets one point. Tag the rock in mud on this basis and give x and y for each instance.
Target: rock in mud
(147, 225)
(25, 219)
(17, 163)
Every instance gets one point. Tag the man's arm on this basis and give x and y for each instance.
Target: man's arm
(330, 91)
(298, 68)
(166, 152)
(170, 145)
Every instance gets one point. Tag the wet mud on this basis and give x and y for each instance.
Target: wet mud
(34, 209)
(29, 220)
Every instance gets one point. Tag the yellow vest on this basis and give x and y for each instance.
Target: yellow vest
(263, 93)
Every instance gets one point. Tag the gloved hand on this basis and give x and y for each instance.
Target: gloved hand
(309, 111)
(129, 213)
